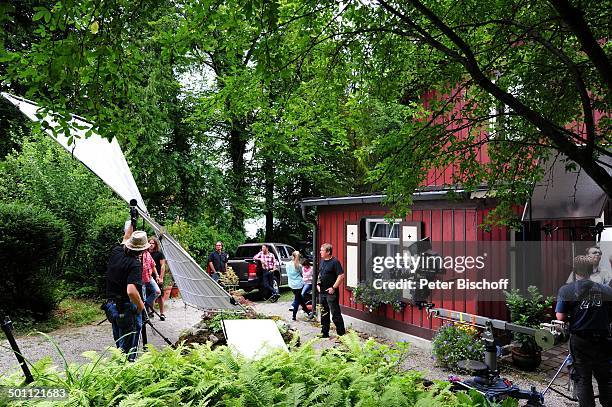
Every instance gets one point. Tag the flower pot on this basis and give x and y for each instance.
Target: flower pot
(166, 293)
(526, 360)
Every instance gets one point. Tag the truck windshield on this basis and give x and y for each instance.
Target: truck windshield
(247, 252)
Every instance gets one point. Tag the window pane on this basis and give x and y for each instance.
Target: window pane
(395, 231)
(383, 230)
(282, 252)
(247, 251)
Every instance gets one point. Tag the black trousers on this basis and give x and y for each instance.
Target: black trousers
(331, 305)
(592, 357)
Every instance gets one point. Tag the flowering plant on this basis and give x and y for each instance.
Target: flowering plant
(453, 343)
(372, 298)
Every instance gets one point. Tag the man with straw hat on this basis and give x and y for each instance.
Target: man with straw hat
(123, 287)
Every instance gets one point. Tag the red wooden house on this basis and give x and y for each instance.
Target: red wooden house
(553, 223)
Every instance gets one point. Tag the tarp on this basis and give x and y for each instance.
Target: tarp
(197, 287)
(565, 194)
(105, 159)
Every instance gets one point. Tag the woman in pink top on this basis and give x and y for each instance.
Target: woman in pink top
(306, 276)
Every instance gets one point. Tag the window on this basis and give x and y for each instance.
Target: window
(382, 230)
(247, 252)
(290, 250)
(382, 240)
(282, 252)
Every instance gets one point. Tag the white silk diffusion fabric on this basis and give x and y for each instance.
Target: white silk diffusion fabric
(105, 159)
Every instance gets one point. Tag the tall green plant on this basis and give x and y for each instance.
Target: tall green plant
(528, 310)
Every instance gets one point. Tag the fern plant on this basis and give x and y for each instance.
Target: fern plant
(357, 373)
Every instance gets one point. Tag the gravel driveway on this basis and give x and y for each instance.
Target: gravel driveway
(75, 341)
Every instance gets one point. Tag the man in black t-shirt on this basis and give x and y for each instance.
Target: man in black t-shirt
(217, 261)
(124, 304)
(329, 282)
(586, 305)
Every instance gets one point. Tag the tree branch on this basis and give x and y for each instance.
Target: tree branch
(556, 133)
(574, 19)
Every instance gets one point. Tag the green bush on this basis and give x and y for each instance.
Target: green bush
(32, 240)
(357, 374)
(43, 174)
(454, 343)
(528, 310)
(88, 277)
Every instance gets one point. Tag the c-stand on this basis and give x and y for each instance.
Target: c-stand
(147, 321)
(7, 328)
(487, 380)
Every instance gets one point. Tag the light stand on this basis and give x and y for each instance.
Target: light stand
(7, 328)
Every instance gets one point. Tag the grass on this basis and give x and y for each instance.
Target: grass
(71, 312)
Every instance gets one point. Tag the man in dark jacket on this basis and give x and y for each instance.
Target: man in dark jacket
(217, 261)
(586, 305)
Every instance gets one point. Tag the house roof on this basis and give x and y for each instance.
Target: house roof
(425, 194)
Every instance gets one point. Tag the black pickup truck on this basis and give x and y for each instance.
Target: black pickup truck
(249, 271)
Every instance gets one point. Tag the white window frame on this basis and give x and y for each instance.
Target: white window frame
(394, 226)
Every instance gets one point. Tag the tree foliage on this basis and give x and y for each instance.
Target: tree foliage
(31, 241)
(43, 175)
(230, 109)
(486, 89)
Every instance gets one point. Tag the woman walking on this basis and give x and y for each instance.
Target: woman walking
(160, 266)
(294, 275)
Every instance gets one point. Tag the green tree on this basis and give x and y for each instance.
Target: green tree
(517, 77)
(43, 175)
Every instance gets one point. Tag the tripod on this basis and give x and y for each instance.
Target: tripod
(147, 321)
(7, 328)
(565, 362)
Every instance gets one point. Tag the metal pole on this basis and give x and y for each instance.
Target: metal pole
(7, 328)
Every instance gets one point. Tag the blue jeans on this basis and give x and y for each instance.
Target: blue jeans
(267, 278)
(126, 329)
(305, 289)
(151, 291)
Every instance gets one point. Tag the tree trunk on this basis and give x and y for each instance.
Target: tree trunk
(268, 169)
(237, 178)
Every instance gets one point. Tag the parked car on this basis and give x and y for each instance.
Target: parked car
(249, 271)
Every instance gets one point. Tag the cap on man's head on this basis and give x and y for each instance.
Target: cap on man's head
(138, 241)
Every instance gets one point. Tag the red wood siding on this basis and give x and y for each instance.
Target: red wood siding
(445, 222)
(443, 225)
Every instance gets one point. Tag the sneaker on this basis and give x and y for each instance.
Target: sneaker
(324, 336)
(311, 316)
(162, 317)
(291, 309)
(274, 297)
(293, 319)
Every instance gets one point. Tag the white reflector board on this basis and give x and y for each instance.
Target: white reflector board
(253, 338)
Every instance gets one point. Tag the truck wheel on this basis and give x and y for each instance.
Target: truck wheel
(276, 282)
